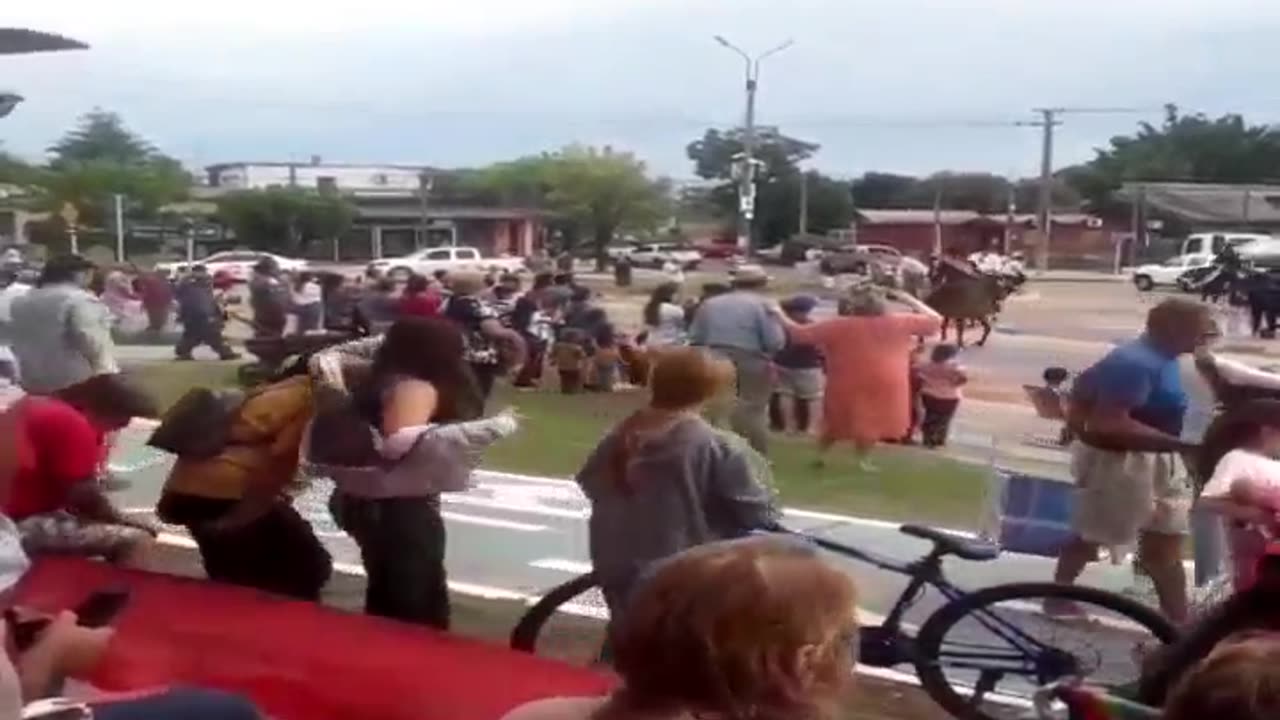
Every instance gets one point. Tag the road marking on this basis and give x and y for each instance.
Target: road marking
(492, 522)
(575, 567)
(535, 509)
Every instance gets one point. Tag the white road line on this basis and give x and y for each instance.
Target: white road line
(492, 522)
(576, 567)
(515, 507)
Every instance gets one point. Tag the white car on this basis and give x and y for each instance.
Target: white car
(1167, 273)
(657, 255)
(449, 259)
(236, 263)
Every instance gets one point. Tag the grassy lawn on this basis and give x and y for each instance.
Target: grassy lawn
(561, 430)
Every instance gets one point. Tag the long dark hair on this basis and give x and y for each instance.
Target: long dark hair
(427, 349)
(1232, 430)
(664, 293)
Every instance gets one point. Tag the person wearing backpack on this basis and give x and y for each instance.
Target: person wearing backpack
(235, 499)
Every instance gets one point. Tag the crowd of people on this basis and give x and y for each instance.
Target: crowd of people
(398, 415)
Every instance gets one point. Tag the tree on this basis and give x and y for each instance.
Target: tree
(716, 156)
(1192, 148)
(285, 220)
(593, 192)
(99, 159)
(882, 190)
(101, 136)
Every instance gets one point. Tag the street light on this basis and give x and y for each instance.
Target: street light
(747, 177)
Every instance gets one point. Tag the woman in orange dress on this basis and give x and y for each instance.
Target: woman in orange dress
(867, 351)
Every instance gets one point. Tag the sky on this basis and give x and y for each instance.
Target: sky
(911, 86)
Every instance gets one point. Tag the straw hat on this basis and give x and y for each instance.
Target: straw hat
(749, 275)
(466, 282)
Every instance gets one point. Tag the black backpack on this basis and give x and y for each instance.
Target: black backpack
(198, 425)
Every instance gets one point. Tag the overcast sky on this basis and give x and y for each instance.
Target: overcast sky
(896, 85)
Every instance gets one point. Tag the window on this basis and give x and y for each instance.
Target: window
(1175, 262)
(438, 255)
(1219, 242)
(467, 254)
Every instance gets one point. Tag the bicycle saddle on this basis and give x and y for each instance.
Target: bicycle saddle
(966, 548)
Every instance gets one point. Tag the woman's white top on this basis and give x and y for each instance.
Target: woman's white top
(671, 327)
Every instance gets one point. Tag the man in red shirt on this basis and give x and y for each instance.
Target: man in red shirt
(55, 497)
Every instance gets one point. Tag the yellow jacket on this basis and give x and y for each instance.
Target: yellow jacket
(262, 445)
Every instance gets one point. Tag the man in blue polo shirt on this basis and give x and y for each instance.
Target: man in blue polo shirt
(1127, 412)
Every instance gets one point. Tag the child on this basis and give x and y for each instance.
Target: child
(569, 357)
(915, 362)
(1237, 455)
(940, 381)
(605, 360)
(799, 372)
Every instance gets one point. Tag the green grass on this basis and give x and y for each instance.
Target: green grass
(560, 430)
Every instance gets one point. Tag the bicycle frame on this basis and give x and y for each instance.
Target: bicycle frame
(886, 645)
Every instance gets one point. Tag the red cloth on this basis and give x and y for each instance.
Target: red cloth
(57, 448)
(420, 305)
(298, 661)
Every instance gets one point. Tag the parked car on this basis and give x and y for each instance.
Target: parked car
(449, 259)
(658, 254)
(856, 258)
(238, 264)
(1171, 272)
(719, 249)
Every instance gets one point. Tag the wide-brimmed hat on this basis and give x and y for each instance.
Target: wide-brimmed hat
(749, 275)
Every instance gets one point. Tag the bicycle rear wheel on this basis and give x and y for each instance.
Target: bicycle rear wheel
(581, 630)
(973, 644)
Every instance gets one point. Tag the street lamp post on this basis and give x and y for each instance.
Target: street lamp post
(747, 172)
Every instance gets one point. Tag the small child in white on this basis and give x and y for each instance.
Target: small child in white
(1238, 456)
(940, 381)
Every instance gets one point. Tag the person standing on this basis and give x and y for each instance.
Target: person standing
(418, 299)
(738, 326)
(308, 303)
(940, 381)
(61, 332)
(489, 345)
(867, 353)
(664, 319)
(10, 289)
(1127, 413)
(201, 316)
(800, 374)
(157, 300)
(269, 299)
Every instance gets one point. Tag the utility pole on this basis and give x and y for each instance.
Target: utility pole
(804, 203)
(1044, 212)
(1044, 209)
(747, 170)
(119, 203)
(424, 190)
(1011, 207)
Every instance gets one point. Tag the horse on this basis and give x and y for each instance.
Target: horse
(963, 296)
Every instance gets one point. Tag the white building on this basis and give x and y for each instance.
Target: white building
(349, 179)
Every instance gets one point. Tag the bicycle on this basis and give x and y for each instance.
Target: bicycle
(929, 651)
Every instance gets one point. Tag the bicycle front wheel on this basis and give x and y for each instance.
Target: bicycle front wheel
(533, 630)
(982, 656)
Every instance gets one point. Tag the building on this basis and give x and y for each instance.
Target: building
(1078, 240)
(395, 213)
(359, 180)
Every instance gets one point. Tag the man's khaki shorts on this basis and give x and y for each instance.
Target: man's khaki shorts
(1122, 494)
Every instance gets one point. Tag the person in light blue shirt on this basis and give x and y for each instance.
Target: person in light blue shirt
(1127, 413)
(739, 326)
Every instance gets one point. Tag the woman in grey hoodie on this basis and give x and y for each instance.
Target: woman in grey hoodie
(664, 480)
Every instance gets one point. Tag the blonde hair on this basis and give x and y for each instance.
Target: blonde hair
(758, 628)
(1239, 680)
(687, 377)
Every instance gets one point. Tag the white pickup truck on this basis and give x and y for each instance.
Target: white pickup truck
(449, 259)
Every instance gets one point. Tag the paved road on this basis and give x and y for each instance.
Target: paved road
(515, 536)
